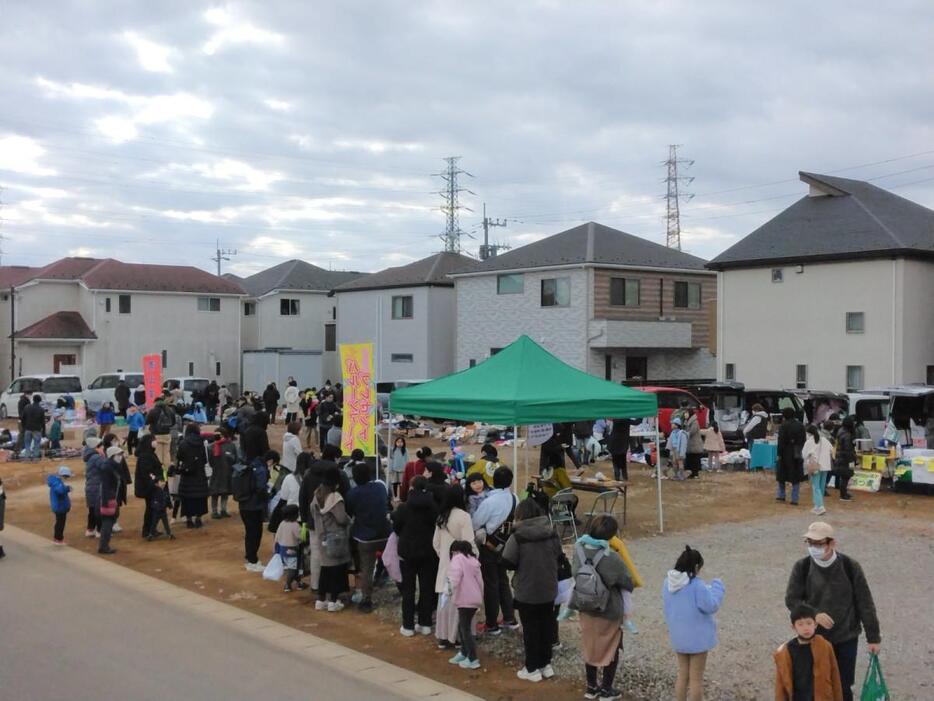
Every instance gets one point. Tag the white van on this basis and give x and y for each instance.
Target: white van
(51, 387)
(872, 410)
(188, 385)
(101, 388)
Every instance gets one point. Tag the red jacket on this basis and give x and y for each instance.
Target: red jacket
(413, 469)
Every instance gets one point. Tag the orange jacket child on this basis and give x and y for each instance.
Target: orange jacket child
(827, 686)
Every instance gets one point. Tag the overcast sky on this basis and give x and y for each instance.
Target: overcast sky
(145, 131)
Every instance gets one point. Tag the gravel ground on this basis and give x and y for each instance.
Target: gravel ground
(754, 559)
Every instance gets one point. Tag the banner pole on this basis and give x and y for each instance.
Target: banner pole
(658, 474)
(515, 456)
(388, 442)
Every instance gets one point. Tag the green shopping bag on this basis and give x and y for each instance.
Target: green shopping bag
(874, 688)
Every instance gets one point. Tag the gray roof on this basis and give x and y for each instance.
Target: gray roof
(430, 271)
(851, 219)
(296, 275)
(593, 244)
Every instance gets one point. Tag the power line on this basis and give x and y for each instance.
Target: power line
(450, 194)
(673, 206)
(488, 250)
(222, 254)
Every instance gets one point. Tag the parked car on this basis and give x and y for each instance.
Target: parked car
(873, 410)
(774, 401)
(51, 387)
(669, 399)
(822, 406)
(188, 385)
(726, 402)
(101, 388)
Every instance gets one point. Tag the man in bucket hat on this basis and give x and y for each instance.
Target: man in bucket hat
(834, 584)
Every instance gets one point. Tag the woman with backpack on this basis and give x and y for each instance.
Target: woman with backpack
(600, 578)
(533, 550)
(249, 485)
(331, 522)
(689, 605)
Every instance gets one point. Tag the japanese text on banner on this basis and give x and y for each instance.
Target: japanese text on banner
(152, 377)
(359, 427)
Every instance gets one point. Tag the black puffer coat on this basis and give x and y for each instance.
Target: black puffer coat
(191, 462)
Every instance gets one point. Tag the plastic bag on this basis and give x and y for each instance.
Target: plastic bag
(874, 688)
(390, 558)
(274, 569)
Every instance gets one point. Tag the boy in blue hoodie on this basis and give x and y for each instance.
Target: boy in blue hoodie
(59, 501)
(677, 449)
(134, 421)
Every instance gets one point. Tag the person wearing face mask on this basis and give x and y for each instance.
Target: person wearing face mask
(834, 584)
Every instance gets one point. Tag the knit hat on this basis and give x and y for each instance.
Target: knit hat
(92, 442)
(114, 450)
(64, 471)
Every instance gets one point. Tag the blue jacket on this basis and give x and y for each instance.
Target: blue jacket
(689, 608)
(105, 417)
(58, 495)
(368, 504)
(136, 421)
(198, 415)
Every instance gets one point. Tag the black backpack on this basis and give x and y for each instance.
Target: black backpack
(166, 420)
(242, 482)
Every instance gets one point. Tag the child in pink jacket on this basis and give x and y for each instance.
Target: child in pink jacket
(465, 584)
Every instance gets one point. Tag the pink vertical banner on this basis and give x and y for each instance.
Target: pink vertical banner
(152, 377)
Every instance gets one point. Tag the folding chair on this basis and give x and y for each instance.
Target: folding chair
(562, 513)
(603, 504)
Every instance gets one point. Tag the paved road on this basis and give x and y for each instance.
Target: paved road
(68, 634)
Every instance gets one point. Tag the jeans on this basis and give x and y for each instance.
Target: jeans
(537, 622)
(780, 492)
(367, 551)
(421, 571)
(253, 534)
(31, 442)
(107, 527)
(818, 483)
(60, 525)
(497, 593)
(690, 676)
(465, 630)
(845, 653)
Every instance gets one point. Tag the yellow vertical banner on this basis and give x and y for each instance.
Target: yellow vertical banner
(359, 427)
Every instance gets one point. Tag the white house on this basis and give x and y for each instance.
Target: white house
(612, 304)
(408, 312)
(289, 324)
(833, 293)
(89, 316)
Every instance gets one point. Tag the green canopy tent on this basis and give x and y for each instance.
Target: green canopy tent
(520, 385)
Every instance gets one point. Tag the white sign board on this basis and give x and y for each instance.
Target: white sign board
(539, 433)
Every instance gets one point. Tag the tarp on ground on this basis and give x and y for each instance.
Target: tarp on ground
(520, 385)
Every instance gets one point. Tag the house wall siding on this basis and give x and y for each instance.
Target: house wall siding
(915, 350)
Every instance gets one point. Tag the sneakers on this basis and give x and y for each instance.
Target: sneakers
(321, 606)
(89, 533)
(592, 692)
(407, 632)
(493, 630)
(610, 695)
(818, 511)
(528, 676)
(117, 528)
(423, 630)
(630, 627)
(547, 671)
(357, 597)
(469, 664)
(335, 606)
(254, 566)
(97, 534)
(55, 541)
(457, 659)
(511, 625)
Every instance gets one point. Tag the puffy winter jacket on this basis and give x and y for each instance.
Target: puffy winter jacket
(58, 495)
(532, 551)
(689, 606)
(414, 522)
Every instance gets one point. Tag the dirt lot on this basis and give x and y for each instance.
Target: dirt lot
(210, 560)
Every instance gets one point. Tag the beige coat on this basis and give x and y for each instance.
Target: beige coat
(458, 527)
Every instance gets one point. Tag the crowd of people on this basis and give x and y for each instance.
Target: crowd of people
(469, 557)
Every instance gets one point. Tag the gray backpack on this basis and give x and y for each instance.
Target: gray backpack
(590, 593)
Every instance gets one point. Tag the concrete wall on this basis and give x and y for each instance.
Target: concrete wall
(302, 332)
(769, 328)
(38, 358)
(486, 320)
(916, 320)
(428, 336)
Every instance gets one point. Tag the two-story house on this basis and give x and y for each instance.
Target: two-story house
(89, 316)
(289, 324)
(833, 293)
(612, 304)
(409, 314)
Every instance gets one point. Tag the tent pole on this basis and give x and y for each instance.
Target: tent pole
(527, 455)
(388, 444)
(515, 456)
(658, 474)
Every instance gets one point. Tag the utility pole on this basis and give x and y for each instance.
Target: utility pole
(488, 250)
(222, 254)
(673, 211)
(450, 205)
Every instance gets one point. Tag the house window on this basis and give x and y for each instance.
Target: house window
(687, 295)
(217, 368)
(288, 307)
(778, 275)
(333, 313)
(107, 304)
(330, 337)
(729, 372)
(191, 368)
(400, 358)
(209, 304)
(855, 322)
(249, 308)
(556, 292)
(510, 284)
(801, 376)
(472, 362)
(624, 292)
(165, 359)
(494, 351)
(402, 307)
(123, 304)
(854, 378)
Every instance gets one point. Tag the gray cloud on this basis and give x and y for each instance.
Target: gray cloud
(146, 131)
